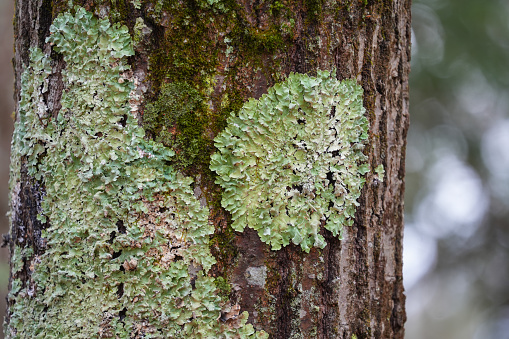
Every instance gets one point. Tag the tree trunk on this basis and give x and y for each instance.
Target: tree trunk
(109, 237)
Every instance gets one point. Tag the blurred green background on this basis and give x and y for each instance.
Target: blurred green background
(456, 247)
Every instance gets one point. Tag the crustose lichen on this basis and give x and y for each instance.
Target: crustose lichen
(293, 160)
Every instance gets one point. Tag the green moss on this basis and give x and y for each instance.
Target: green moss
(314, 9)
(276, 8)
(260, 42)
(223, 241)
(128, 243)
(177, 120)
(186, 53)
(224, 288)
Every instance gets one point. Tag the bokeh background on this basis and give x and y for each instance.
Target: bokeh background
(456, 245)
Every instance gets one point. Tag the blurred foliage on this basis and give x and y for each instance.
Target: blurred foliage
(457, 200)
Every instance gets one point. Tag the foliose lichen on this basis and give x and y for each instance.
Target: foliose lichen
(293, 160)
(380, 172)
(127, 249)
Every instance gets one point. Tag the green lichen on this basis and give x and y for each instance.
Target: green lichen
(136, 4)
(292, 161)
(128, 243)
(380, 172)
(138, 31)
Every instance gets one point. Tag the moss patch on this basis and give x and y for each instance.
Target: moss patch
(177, 120)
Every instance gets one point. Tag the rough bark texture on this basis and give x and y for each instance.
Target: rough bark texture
(353, 287)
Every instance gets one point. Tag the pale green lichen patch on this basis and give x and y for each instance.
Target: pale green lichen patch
(380, 172)
(293, 160)
(127, 249)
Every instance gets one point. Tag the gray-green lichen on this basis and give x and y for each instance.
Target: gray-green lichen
(127, 249)
(380, 172)
(293, 160)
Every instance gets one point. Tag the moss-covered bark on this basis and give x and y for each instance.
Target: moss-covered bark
(193, 63)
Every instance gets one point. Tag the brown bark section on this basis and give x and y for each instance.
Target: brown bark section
(354, 285)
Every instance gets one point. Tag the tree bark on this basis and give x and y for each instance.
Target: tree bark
(353, 287)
